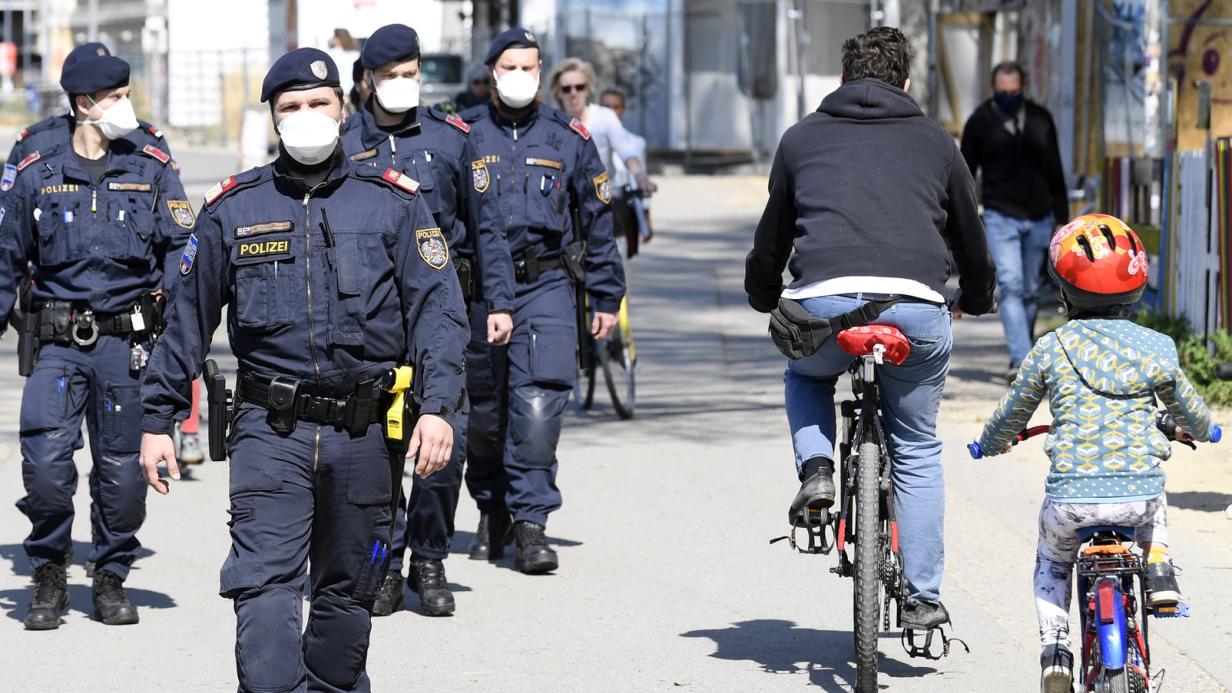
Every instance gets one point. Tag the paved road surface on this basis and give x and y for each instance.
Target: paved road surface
(667, 580)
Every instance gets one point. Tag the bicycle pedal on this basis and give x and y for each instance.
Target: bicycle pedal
(1181, 610)
(925, 651)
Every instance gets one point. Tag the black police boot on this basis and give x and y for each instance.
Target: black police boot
(816, 494)
(490, 537)
(427, 579)
(533, 556)
(110, 605)
(1056, 669)
(1161, 586)
(920, 615)
(389, 597)
(50, 597)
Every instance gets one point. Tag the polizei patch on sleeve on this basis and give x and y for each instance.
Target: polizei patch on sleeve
(603, 188)
(182, 213)
(267, 227)
(263, 248)
(432, 247)
(479, 175)
(189, 256)
(9, 177)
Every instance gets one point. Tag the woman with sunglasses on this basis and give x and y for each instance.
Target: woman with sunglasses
(573, 83)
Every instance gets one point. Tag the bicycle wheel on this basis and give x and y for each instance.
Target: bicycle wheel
(868, 581)
(617, 360)
(584, 388)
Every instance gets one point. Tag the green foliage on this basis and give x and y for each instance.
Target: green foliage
(1199, 354)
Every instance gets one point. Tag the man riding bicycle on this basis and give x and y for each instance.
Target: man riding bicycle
(868, 192)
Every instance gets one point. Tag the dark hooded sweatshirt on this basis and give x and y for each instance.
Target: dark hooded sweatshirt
(870, 186)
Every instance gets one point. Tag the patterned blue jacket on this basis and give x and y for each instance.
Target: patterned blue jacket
(1103, 379)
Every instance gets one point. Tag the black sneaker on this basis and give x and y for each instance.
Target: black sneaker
(50, 597)
(921, 615)
(427, 579)
(389, 597)
(1056, 669)
(111, 606)
(533, 555)
(1161, 587)
(816, 494)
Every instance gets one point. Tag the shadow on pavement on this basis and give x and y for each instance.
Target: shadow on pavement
(1210, 501)
(780, 647)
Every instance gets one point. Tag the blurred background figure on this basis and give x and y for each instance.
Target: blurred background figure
(344, 49)
(360, 89)
(624, 187)
(476, 91)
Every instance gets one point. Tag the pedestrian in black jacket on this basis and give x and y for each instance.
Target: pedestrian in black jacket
(1013, 142)
(868, 192)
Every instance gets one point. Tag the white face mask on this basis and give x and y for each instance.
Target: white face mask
(397, 95)
(117, 121)
(309, 136)
(517, 88)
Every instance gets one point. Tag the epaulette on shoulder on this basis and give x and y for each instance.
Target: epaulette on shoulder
(577, 126)
(30, 158)
(158, 134)
(391, 177)
(49, 123)
(230, 184)
(156, 153)
(452, 119)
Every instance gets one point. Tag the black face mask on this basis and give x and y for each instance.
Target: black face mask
(1008, 101)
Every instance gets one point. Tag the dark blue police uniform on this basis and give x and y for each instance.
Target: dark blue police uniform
(541, 182)
(328, 288)
(97, 250)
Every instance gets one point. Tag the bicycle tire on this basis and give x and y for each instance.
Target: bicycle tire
(584, 388)
(1117, 680)
(867, 575)
(618, 373)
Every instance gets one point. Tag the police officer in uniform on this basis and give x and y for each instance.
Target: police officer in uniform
(99, 222)
(539, 180)
(334, 276)
(393, 130)
(58, 129)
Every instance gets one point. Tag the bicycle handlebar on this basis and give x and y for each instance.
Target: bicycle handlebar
(977, 452)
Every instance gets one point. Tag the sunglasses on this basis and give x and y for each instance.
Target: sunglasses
(570, 88)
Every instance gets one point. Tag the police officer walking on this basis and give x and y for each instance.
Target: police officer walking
(539, 180)
(394, 131)
(336, 279)
(98, 222)
(57, 129)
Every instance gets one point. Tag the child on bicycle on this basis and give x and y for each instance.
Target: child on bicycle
(1103, 375)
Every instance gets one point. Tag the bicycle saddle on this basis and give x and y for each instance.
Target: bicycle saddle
(1086, 534)
(865, 340)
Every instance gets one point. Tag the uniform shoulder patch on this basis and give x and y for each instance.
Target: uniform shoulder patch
(577, 126)
(9, 178)
(220, 188)
(401, 180)
(190, 255)
(23, 134)
(603, 188)
(182, 213)
(28, 160)
(156, 153)
(479, 175)
(456, 120)
(432, 247)
(158, 134)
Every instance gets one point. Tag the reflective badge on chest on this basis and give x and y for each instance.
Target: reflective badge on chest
(432, 247)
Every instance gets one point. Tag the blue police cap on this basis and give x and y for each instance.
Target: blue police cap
(516, 37)
(90, 67)
(390, 43)
(302, 68)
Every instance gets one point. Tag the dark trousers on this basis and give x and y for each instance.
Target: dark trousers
(515, 424)
(68, 384)
(317, 496)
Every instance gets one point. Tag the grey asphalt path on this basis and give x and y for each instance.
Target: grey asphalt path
(667, 580)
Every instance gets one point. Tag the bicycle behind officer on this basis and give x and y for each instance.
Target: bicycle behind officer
(336, 277)
(865, 195)
(394, 130)
(539, 181)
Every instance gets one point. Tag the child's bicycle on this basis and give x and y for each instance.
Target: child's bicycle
(1111, 572)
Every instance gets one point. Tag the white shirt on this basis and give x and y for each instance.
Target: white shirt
(610, 136)
(864, 285)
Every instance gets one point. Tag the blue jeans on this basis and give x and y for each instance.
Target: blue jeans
(910, 399)
(1018, 246)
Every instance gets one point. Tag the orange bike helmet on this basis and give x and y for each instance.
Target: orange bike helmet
(1099, 262)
